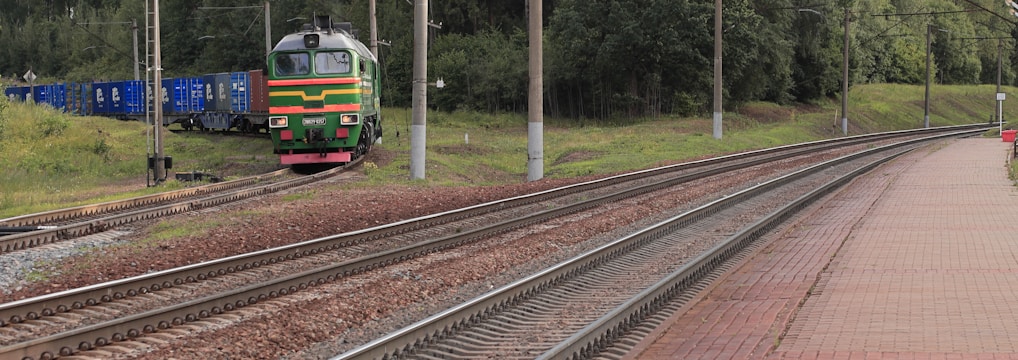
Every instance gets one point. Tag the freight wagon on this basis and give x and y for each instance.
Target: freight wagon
(223, 101)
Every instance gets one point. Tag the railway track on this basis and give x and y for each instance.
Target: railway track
(588, 306)
(273, 273)
(63, 224)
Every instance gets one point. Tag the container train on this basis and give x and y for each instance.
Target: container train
(319, 98)
(222, 101)
(324, 91)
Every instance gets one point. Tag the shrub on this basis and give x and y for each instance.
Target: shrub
(53, 124)
(101, 148)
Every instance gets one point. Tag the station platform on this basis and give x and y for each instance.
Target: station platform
(917, 259)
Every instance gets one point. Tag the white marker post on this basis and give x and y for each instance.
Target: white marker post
(1000, 111)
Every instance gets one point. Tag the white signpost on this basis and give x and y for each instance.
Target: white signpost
(30, 77)
(1000, 110)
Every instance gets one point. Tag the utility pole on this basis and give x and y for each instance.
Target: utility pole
(926, 105)
(717, 69)
(134, 35)
(373, 26)
(268, 31)
(844, 80)
(420, 90)
(535, 98)
(1000, 104)
(134, 30)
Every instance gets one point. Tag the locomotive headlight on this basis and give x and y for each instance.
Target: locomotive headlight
(277, 121)
(348, 119)
(311, 41)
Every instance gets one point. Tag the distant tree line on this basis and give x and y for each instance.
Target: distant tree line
(603, 58)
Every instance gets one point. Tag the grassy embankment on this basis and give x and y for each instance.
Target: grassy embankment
(52, 160)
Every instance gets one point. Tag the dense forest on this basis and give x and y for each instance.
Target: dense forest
(603, 58)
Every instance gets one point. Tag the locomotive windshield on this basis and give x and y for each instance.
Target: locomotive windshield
(332, 62)
(292, 64)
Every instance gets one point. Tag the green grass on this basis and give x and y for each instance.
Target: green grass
(52, 160)
(173, 228)
(497, 148)
(301, 195)
(41, 271)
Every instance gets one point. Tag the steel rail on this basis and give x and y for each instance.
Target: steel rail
(408, 340)
(603, 332)
(27, 309)
(242, 297)
(120, 205)
(18, 311)
(222, 195)
(145, 200)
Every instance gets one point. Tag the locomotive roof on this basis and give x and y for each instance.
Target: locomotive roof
(335, 39)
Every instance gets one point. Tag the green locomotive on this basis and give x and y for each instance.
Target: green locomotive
(323, 95)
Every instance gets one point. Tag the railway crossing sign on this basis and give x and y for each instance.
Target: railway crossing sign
(29, 76)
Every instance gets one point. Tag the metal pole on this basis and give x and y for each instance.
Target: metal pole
(268, 30)
(157, 96)
(373, 25)
(134, 30)
(535, 98)
(1000, 103)
(844, 80)
(420, 90)
(717, 69)
(926, 102)
(31, 85)
(149, 169)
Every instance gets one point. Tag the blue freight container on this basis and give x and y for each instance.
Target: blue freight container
(134, 97)
(16, 93)
(101, 98)
(240, 99)
(208, 92)
(197, 95)
(220, 92)
(41, 94)
(115, 104)
(58, 96)
(181, 92)
(175, 96)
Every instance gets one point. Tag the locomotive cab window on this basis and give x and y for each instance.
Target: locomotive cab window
(291, 64)
(332, 62)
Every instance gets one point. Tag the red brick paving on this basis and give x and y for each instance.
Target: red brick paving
(916, 260)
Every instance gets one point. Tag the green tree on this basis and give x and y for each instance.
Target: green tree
(485, 72)
(629, 57)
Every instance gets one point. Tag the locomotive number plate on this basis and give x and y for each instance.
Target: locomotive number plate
(312, 121)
